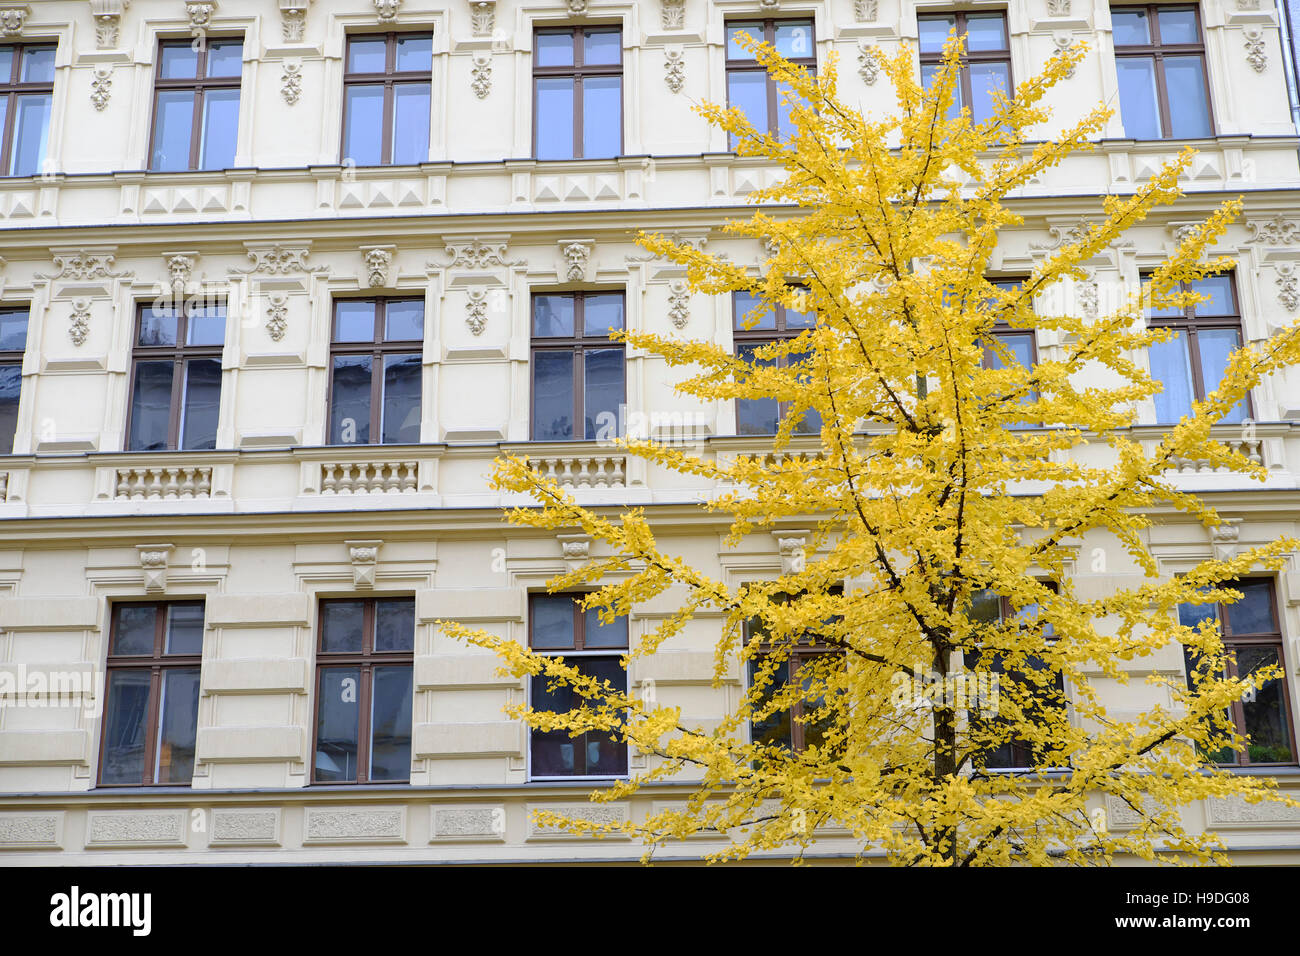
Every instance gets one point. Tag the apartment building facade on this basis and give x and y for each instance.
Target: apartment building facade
(280, 279)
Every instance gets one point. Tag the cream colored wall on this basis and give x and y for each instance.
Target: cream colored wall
(480, 220)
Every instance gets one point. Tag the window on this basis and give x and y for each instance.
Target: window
(751, 87)
(1019, 342)
(578, 373)
(1164, 92)
(985, 59)
(176, 377)
(26, 95)
(557, 623)
(376, 363)
(13, 342)
(1192, 365)
(578, 93)
(363, 691)
(1251, 639)
(196, 105)
(387, 99)
(1044, 696)
(794, 729)
(151, 708)
(763, 416)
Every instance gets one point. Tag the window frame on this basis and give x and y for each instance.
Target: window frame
(1157, 51)
(578, 71)
(157, 663)
(365, 660)
(376, 348)
(10, 92)
(200, 84)
(388, 79)
(180, 353)
(15, 358)
(577, 345)
(758, 337)
(731, 65)
(964, 87)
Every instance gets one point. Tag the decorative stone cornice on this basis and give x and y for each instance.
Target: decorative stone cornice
(477, 253)
(364, 556)
(1278, 231)
(83, 265)
(278, 260)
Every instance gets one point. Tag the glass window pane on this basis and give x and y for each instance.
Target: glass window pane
(395, 625)
(1216, 346)
(415, 53)
(158, 327)
(13, 330)
(794, 39)
(125, 714)
(151, 406)
(774, 730)
(934, 32)
(985, 32)
(180, 61)
(1020, 345)
(354, 320)
(742, 304)
(390, 724)
(225, 58)
(602, 313)
(552, 624)
(134, 630)
(338, 714)
(1266, 715)
(38, 65)
(985, 607)
(602, 47)
(404, 321)
(1189, 109)
(748, 91)
(555, 118)
(1171, 366)
(553, 316)
(367, 54)
(734, 30)
(178, 718)
(1130, 27)
(1178, 26)
(1218, 293)
(553, 399)
(593, 754)
(555, 49)
(928, 73)
(172, 136)
(1138, 104)
(350, 400)
(363, 125)
(985, 78)
(1253, 614)
(1191, 615)
(6, 63)
(401, 424)
(410, 123)
(784, 106)
(595, 634)
(756, 416)
(342, 625)
(202, 403)
(602, 117)
(603, 372)
(220, 129)
(184, 629)
(31, 131)
(206, 326)
(11, 384)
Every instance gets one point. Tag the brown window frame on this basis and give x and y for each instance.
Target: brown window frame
(1157, 50)
(156, 663)
(389, 78)
(365, 661)
(180, 353)
(578, 71)
(201, 83)
(758, 337)
(967, 56)
(10, 90)
(753, 66)
(578, 345)
(377, 348)
(1273, 639)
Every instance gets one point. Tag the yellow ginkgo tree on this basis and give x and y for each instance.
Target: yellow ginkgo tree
(954, 702)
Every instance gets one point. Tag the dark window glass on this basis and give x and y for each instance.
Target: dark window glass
(751, 332)
(1160, 59)
(557, 623)
(985, 60)
(1019, 343)
(176, 388)
(387, 99)
(750, 87)
(196, 105)
(578, 374)
(26, 98)
(578, 93)
(364, 701)
(376, 369)
(152, 706)
(13, 342)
